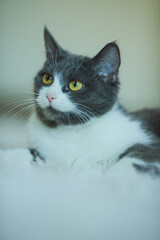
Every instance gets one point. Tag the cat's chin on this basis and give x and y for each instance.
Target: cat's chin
(52, 117)
(49, 113)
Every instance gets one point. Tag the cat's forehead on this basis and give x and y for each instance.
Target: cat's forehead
(68, 65)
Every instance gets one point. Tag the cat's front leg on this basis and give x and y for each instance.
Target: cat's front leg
(148, 156)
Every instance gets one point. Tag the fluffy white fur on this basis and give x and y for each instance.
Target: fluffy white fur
(40, 202)
(37, 203)
(97, 143)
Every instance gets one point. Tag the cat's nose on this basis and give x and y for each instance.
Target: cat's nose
(50, 98)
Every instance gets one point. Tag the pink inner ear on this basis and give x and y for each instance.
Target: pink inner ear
(107, 61)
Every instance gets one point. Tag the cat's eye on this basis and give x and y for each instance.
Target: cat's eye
(47, 79)
(75, 85)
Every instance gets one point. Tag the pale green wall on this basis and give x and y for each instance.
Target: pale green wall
(84, 27)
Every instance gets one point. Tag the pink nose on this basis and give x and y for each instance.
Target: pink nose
(50, 98)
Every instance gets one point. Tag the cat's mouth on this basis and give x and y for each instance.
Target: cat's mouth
(49, 114)
(52, 116)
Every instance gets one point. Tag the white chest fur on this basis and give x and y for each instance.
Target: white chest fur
(99, 141)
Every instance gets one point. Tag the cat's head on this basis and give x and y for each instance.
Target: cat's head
(72, 89)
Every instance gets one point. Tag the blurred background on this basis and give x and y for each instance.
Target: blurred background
(82, 27)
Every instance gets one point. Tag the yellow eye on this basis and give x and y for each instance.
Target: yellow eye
(75, 85)
(47, 79)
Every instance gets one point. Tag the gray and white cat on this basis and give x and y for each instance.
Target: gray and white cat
(79, 121)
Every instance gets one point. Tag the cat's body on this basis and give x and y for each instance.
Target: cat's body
(97, 142)
(79, 122)
(150, 119)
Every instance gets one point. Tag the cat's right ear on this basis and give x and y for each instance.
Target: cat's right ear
(107, 62)
(53, 50)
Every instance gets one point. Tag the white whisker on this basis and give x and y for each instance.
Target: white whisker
(20, 112)
(13, 108)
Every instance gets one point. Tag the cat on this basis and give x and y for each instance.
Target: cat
(78, 121)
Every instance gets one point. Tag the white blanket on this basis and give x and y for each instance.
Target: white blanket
(40, 203)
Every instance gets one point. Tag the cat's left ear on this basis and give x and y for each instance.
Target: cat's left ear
(107, 62)
(53, 49)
